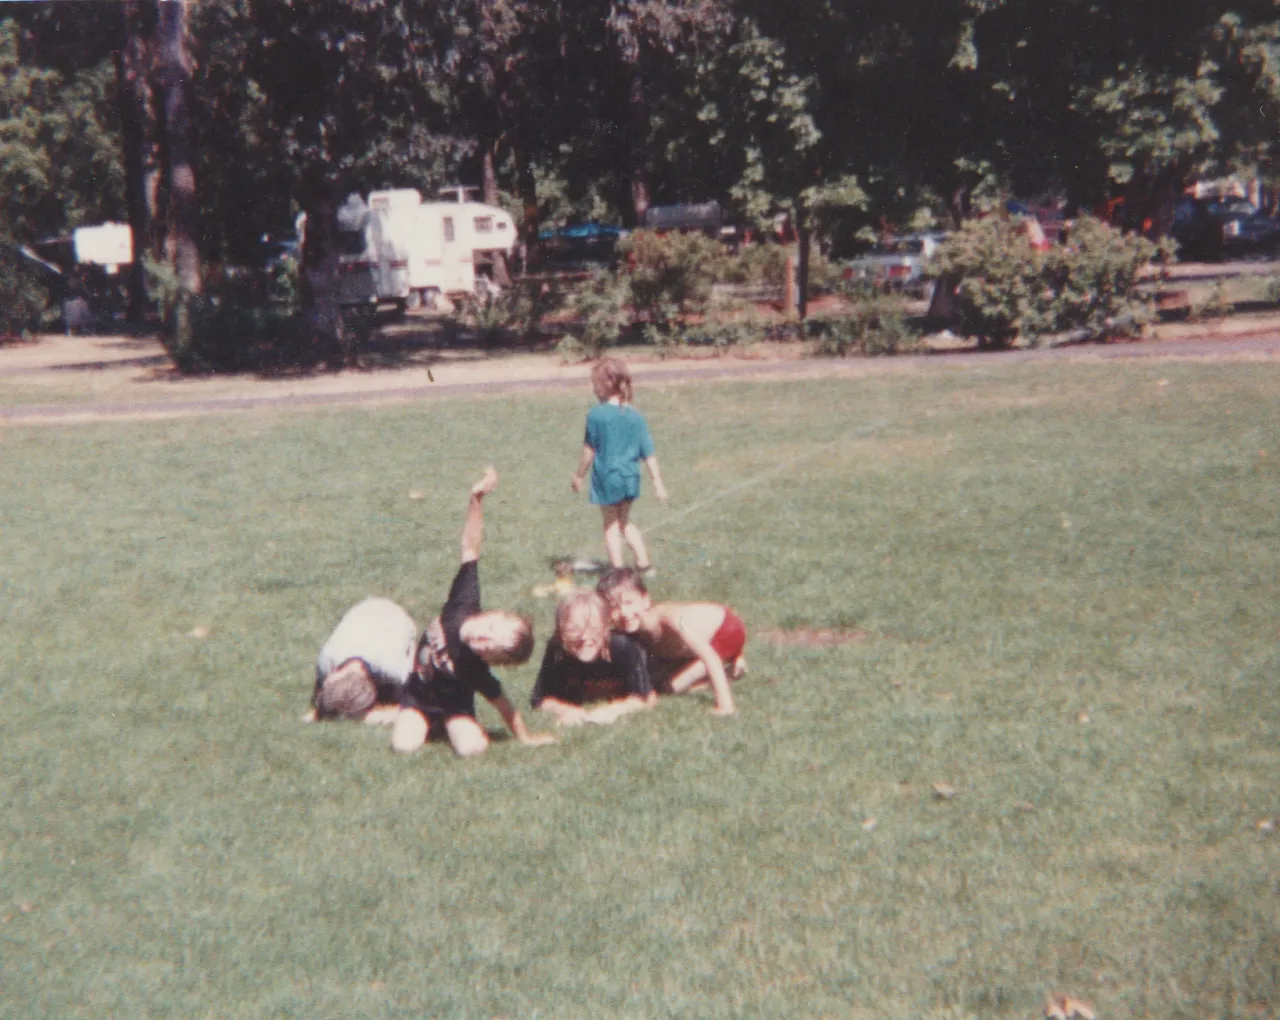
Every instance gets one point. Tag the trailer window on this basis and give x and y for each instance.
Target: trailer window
(448, 229)
(483, 224)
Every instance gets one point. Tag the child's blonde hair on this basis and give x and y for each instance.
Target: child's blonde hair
(581, 614)
(611, 377)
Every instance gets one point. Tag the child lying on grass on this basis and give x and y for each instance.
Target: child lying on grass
(365, 664)
(689, 643)
(455, 654)
(585, 662)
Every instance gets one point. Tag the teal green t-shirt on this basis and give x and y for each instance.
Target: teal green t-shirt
(619, 435)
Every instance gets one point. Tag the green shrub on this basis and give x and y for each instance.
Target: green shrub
(1005, 289)
(599, 306)
(1092, 280)
(875, 324)
(515, 312)
(23, 299)
(757, 265)
(671, 275)
(998, 281)
(232, 338)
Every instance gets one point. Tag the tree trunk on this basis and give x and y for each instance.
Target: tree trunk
(131, 81)
(638, 107)
(319, 269)
(501, 275)
(528, 187)
(804, 234)
(183, 229)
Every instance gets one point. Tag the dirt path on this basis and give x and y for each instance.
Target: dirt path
(121, 378)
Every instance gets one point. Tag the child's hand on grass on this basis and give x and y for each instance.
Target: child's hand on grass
(538, 740)
(570, 716)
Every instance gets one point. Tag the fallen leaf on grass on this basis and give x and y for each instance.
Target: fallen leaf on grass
(1267, 826)
(377, 986)
(1083, 718)
(946, 696)
(417, 494)
(1162, 383)
(6, 919)
(869, 825)
(1262, 453)
(1026, 807)
(26, 908)
(944, 791)
(1063, 1007)
(199, 633)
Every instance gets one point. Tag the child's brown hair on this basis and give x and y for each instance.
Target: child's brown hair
(620, 578)
(611, 377)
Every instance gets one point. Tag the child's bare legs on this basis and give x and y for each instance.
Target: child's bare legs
(695, 677)
(619, 529)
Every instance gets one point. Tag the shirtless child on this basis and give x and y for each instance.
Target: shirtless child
(455, 654)
(695, 639)
(589, 673)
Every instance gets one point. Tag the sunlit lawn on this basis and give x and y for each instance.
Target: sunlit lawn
(1067, 579)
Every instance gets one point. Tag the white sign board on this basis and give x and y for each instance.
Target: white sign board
(110, 244)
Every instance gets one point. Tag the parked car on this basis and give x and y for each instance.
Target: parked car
(896, 263)
(1210, 230)
(1245, 228)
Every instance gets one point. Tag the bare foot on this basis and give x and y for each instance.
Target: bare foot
(486, 484)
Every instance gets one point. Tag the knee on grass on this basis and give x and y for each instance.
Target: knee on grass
(409, 732)
(466, 736)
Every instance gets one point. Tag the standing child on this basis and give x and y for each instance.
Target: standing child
(617, 440)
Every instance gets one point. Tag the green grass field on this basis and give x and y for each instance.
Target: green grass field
(1025, 546)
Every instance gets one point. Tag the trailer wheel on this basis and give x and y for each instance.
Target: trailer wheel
(415, 299)
(431, 297)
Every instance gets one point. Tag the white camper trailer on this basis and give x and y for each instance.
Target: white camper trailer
(419, 250)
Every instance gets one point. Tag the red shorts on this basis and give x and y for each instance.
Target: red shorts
(731, 638)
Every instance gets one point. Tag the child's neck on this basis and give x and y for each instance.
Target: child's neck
(615, 400)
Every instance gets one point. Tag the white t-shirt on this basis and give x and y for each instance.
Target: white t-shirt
(378, 631)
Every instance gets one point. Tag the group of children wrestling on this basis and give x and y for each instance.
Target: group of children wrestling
(614, 649)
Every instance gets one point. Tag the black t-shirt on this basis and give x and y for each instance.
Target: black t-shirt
(449, 673)
(624, 673)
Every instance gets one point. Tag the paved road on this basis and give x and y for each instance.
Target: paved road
(1264, 344)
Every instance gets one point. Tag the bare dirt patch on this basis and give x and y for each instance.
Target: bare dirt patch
(814, 637)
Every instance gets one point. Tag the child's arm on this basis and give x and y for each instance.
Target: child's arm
(584, 465)
(659, 490)
(473, 529)
(565, 713)
(516, 725)
(612, 711)
(707, 664)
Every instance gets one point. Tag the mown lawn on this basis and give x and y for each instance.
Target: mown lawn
(1067, 580)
